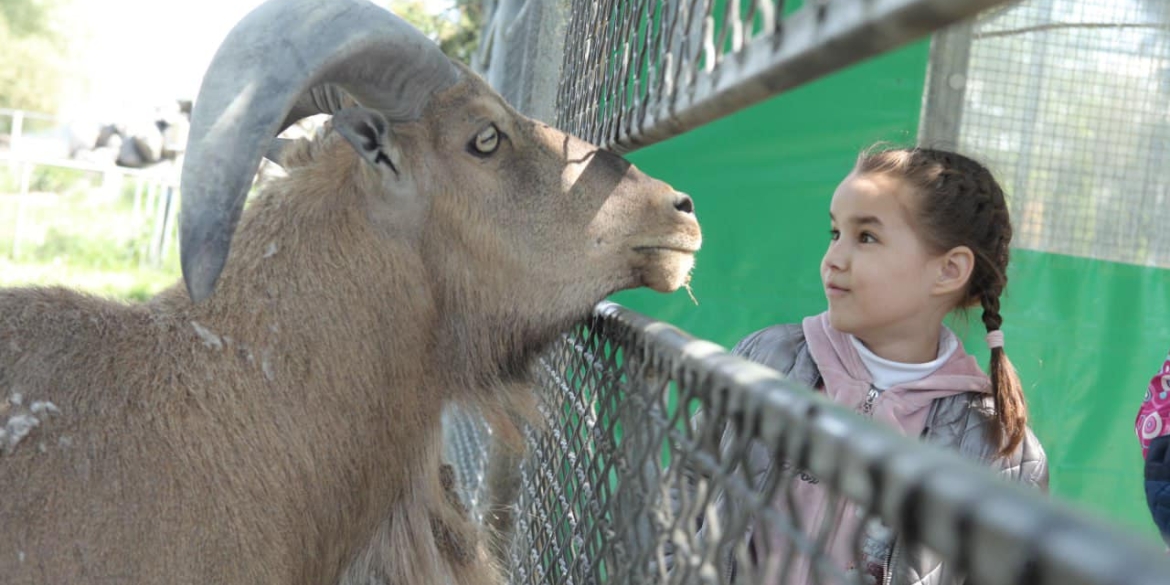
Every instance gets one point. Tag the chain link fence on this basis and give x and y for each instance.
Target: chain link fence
(1070, 102)
(655, 466)
(663, 459)
(638, 72)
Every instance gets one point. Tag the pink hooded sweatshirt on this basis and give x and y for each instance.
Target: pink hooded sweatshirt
(904, 407)
(1153, 418)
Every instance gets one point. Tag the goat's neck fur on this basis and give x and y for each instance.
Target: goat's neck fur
(479, 339)
(411, 338)
(356, 354)
(475, 338)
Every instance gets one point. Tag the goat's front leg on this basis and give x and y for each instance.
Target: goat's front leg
(454, 532)
(427, 544)
(459, 540)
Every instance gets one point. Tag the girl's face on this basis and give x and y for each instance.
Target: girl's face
(881, 281)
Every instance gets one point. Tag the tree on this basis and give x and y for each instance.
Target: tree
(455, 28)
(29, 17)
(34, 63)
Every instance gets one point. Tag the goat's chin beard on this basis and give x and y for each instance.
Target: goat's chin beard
(671, 272)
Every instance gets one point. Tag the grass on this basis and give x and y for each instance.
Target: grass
(129, 284)
(74, 230)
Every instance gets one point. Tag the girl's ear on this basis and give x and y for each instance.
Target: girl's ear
(955, 267)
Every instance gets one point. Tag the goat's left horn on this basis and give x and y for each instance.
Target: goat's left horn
(264, 70)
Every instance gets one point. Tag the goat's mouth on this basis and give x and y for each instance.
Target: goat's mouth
(665, 267)
(662, 249)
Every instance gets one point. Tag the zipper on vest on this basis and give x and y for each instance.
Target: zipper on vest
(870, 398)
(887, 576)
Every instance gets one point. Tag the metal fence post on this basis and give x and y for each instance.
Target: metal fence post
(946, 85)
(26, 169)
(17, 130)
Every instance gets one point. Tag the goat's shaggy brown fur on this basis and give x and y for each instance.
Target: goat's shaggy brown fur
(287, 429)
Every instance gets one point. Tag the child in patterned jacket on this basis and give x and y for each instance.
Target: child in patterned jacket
(1153, 431)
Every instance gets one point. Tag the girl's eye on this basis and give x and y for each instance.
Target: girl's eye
(867, 238)
(834, 235)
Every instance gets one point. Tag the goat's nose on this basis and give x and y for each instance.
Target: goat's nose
(684, 203)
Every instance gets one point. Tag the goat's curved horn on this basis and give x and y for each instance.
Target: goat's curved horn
(263, 78)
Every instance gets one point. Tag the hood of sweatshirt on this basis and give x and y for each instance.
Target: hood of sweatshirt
(848, 383)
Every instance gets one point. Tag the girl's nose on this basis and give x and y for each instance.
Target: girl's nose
(834, 257)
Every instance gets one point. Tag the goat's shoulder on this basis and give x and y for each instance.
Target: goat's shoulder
(44, 330)
(52, 311)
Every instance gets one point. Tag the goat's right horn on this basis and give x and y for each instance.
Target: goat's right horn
(267, 67)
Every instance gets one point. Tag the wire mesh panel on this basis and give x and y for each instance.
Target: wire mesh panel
(1069, 102)
(640, 71)
(650, 478)
(660, 458)
(667, 460)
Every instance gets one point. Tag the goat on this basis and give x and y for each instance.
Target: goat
(275, 416)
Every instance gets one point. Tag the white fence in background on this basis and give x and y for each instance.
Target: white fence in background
(156, 188)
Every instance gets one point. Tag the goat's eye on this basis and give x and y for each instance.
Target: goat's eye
(487, 140)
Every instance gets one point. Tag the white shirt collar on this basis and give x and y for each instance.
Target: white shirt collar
(887, 373)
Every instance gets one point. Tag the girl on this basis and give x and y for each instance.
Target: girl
(916, 234)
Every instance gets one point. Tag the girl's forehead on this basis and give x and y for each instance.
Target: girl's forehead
(872, 194)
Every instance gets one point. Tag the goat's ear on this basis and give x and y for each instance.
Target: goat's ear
(369, 134)
(277, 148)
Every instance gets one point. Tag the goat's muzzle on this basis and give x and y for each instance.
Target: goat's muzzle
(664, 260)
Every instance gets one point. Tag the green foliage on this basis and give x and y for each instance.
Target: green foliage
(34, 63)
(30, 18)
(50, 179)
(74, 233)
(128, 284)
(47, 179)
(456, 28)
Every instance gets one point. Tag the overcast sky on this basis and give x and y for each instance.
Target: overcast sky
(146, 52)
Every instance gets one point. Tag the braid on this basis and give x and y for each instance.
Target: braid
(1011, 411)
(991, 317)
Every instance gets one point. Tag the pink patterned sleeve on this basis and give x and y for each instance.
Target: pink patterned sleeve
(1153, 418)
